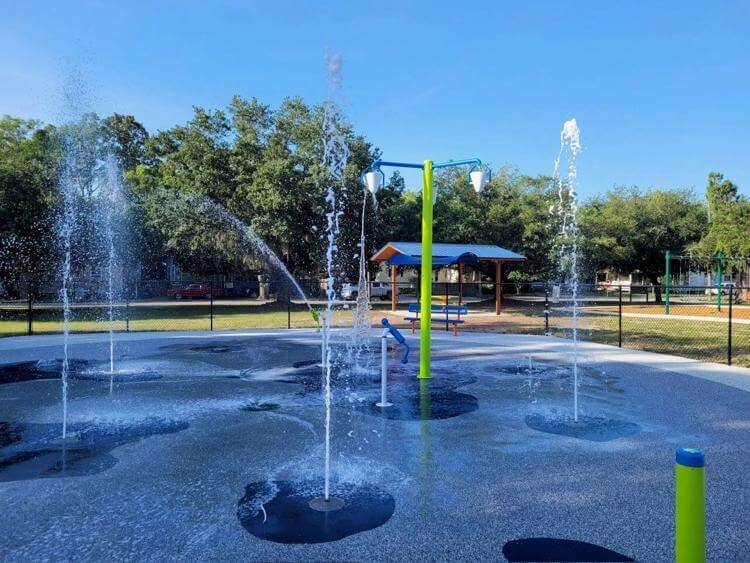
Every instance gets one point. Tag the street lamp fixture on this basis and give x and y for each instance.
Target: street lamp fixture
(479, 179)
(373, 178)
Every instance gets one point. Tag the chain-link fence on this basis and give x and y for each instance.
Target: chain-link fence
(701, 322)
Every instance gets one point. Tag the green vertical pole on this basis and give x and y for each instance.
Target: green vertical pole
(426, 287)
(690, 507)
(667, 280)
(719, 278)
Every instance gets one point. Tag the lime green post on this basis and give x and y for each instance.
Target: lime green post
(426, 287)
(667, 279)
(690, 507)
(719, 278)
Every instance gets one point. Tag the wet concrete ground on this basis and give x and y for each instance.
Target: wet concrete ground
(484, 454)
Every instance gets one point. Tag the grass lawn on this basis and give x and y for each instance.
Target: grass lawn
(705, 341)
(693, 339)
(148, 317)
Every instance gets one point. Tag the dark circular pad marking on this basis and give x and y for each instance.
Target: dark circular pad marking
(216, 348)
(42, 369)
(260, 407)
(279, 511)
(9, 434)
(124, 376)
(432, 399)
(595, 429)
(40, 464)
(439, 404)
(89, 453)
(553, 549)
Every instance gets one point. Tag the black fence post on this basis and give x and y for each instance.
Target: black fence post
(127, 312)
(729, 330)
(619, 320)
(289, 310)
(546, 310)
(211, 306)
(30, 316)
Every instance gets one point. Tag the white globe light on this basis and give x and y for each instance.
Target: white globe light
(478, 179)
(373, 180)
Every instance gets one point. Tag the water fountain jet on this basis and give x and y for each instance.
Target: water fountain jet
(567, 209)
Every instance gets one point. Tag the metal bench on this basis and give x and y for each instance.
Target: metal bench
(448, 314)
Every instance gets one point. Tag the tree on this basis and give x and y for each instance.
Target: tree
(397, 216)
(511, 212)
(729, 220)
(628, 229)
(127, 139)
(27, 195)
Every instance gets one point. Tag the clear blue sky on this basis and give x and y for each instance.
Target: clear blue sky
(661, 90)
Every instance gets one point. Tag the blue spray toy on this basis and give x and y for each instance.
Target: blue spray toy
(399, 338)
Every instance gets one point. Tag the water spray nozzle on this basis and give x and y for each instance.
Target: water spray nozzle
(398, 337)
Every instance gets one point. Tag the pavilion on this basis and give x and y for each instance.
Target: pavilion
(397, 254)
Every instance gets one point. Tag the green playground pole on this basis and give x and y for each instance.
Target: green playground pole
(373, 177)
(426, 287)
(690, 507)
(719, 278)
(667, 280)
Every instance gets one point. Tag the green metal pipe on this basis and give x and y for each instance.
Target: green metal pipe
(426, 287)
(690, 507)
(667, 280)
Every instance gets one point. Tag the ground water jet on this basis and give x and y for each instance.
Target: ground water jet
(335, 157)
(363, 311)
(113, 206)
(198, 207)
(65, 233)
(567, 210)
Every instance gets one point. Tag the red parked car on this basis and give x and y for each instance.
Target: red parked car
(193, 291)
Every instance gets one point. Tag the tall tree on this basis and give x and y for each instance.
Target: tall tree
(729, 221)
(28, 171)
(127, 139)
(629, 230)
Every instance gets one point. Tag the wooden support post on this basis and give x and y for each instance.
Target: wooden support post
(460, 283)
(498, 288)
(394, 289)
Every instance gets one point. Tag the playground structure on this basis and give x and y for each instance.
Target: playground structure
(373, 178)
(693, 281)
(402, 255)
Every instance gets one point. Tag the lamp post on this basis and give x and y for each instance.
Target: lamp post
(373, 178)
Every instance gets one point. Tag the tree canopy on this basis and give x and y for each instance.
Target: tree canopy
(628, 229)
(265, 166)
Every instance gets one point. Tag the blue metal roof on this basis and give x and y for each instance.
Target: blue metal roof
(408, 260)
(443, 249)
